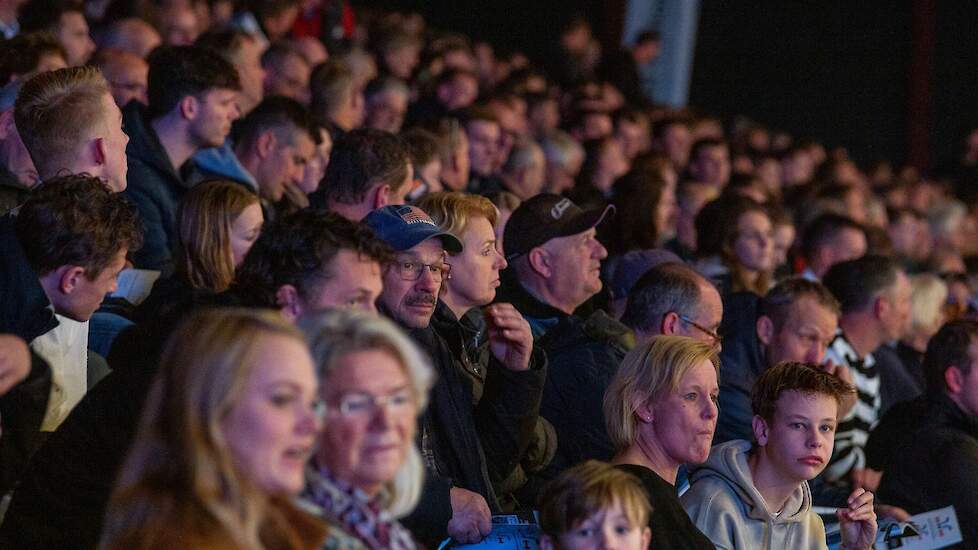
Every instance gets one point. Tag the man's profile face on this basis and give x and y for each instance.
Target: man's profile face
(73, 35)
(87, 295)
(412, 303)
(286, 164)
(576, 272)
(114, 142)
(217, 110)
(484, 138)
(805, 335)
(354, 283)
(707, 315)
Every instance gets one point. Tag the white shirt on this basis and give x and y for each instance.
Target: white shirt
(66, 350)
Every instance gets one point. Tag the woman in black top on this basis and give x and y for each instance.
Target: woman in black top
(660, 411)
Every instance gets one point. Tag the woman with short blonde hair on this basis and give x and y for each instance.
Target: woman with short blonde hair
(660, 411)
(221, 445)
(368, 471)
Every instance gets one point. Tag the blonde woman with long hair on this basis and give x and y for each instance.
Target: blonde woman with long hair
(223, 440)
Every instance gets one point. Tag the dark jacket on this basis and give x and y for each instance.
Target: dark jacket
(897, 383)
(671, 527)
(12, 192)
(25, 312)
(937, 466)
(542, 317)
(507, 403)
(584, 355)
(741, 363)
(154, 188)
(449, 442)
(62, 498)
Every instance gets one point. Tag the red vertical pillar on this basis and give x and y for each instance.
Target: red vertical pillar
(923, 27)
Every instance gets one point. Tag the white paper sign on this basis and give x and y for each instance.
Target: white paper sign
(135, 285)
(937, 528)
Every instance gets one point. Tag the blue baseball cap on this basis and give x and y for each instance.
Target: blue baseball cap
(403, 227)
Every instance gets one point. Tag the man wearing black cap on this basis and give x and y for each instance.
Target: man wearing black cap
(456, 436)
(555, 265)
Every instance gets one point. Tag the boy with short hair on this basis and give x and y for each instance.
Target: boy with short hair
(594, 505)
(757, 496)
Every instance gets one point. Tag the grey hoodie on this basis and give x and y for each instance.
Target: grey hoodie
(724, 504)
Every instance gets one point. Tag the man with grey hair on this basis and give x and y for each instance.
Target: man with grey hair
(524, 171)
(386, 104)
(564, 159)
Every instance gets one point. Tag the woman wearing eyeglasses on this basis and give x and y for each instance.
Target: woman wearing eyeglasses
(660, 412)
(367, 471)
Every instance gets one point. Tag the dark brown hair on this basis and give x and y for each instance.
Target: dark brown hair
(76, 220)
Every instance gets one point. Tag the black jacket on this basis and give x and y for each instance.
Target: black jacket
(25, 312)
(584, 355)
(62, 498)
(937, 466)
(671, 527)
(154, 188)
(449, 443)
(741, 363)
(542, 317)
(507, 403)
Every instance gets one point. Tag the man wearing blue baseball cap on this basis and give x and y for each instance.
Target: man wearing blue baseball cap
(456, 435)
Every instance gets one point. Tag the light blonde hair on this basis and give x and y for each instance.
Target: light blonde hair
(179, 480)
(929, 294)
(204, 218)
(334, 335)
(580, 492)
(452, 210)
(649, 371)
(56, 111)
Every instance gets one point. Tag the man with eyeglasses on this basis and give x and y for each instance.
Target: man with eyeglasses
(795, 322)
(458, 498)
(670, 298)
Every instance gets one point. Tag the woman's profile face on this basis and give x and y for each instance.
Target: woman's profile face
(244, 231)
(754, 246)
(271, 429)
(683, 420)
(371, 419)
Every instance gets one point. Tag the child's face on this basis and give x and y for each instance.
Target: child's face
(607, 529)
(798, 443)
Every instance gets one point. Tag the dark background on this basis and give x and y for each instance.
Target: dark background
(887, 80)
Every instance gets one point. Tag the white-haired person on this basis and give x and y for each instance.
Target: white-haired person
(660, 411)
(367, 471)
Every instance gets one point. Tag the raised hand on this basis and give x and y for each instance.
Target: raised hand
(857, 522)
(510, 339)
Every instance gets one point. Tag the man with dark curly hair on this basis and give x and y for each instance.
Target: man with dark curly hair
(61, 255)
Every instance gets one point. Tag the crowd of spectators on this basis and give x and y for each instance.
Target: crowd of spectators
(396, 281)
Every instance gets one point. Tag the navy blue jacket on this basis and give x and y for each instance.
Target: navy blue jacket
(154, 188)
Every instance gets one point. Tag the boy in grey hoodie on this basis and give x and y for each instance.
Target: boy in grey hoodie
(756, 496)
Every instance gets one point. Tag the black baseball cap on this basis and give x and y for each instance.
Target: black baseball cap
(544, 217)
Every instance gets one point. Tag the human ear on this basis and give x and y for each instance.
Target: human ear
(69, 276)
(189, 107)
(265, 144)
(646, 536)
(953, 379)
(765, 329)
(7, 127)
(289, 303)
(670, 324)
(540, 261)
(760, 428)
(382, 197)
